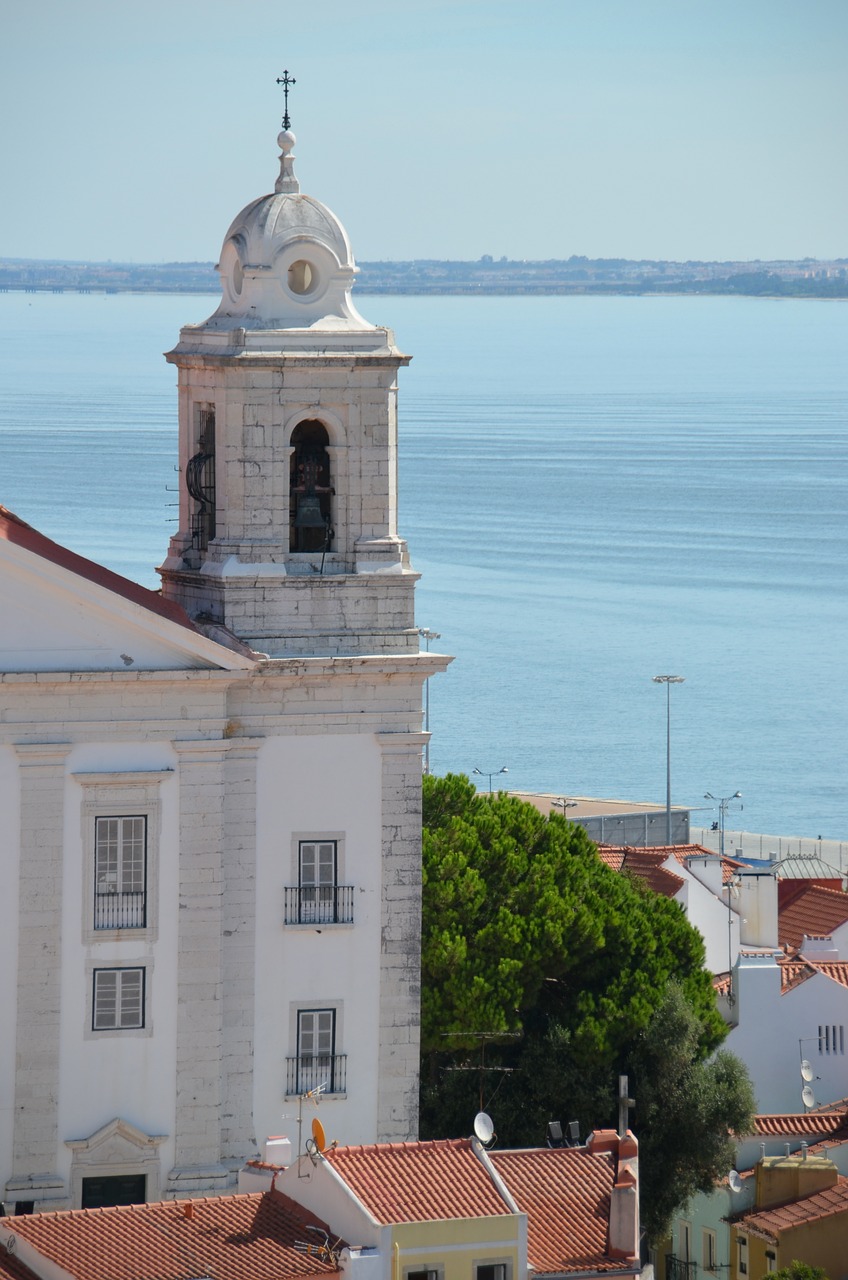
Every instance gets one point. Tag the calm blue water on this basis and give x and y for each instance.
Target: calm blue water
(597, 490)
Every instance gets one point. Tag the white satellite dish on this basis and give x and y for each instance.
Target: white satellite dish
(808, 1097)
(806, 1071)
(734, 1181)
(484, 1130)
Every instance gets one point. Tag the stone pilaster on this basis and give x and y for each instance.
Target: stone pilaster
(238, 1140)
(197, 1161)
(400, 951)
(36, 1131)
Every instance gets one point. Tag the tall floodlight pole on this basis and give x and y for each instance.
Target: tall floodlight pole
(668, 681)
(427, 635)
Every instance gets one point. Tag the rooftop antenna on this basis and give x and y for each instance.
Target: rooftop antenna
(483, 1036)
(734, 1182)
(324, 1249)
(311, 1095)
(285, 80)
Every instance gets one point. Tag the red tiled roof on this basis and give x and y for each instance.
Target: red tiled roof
(13, 529)
(418, 1181)
(647, 865)
(620, 856)
(805, 908)
(771, 1223)
(839, 1104)
(243, 1237)
(565, 1193)
(729, 866)
(793, 972)
(11, 1267)
(800, 1123)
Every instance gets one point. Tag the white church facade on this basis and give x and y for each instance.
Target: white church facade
(211, 797)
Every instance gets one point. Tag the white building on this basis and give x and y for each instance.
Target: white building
(211, 854)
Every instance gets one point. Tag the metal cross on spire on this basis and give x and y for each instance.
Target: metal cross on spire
(285, 80)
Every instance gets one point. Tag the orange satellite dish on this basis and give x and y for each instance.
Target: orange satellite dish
(318, 1134)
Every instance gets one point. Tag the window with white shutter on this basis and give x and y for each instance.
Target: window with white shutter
(118, 1000)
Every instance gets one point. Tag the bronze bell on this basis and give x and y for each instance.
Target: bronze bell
(309, 512)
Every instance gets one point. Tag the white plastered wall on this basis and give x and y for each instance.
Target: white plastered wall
(126, 1075)
(775, 1031)
(10, 808)
(317, 784)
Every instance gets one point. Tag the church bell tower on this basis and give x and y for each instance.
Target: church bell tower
(288, 446)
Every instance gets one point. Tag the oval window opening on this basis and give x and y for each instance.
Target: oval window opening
(238, 278)
(302, 277)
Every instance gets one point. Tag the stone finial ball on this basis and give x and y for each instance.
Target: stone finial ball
(286, 140)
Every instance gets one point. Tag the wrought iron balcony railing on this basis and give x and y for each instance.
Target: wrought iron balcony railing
(120, 910)
(304, 1074)
(319, 904)
(677, 1269)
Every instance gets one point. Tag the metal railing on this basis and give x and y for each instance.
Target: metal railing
(304, 1074)
(319, 904)
(120, 910)
(677, 1269)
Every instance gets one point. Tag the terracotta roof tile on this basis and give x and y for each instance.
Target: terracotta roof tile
(721, 984)
(242, 1237)
(801, 1124)
(772, 1222)
(793, 972)
(565, 1193)
(647, 865)
(11, 1267)
(808, 909)
(616, 856)
(418, 1181)
(839, 1104)
(13, 529)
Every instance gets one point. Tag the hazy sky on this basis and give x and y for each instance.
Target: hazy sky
(136, 129)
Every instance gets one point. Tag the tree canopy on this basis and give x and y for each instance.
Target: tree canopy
(685, 1107)
(519, 911)
(798, 1271)
(545, 974)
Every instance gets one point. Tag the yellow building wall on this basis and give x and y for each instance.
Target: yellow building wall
(821, 1244)
(454, 1247)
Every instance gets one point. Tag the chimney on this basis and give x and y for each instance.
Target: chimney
(758, 908)
(278, 1151)
(624, 1199)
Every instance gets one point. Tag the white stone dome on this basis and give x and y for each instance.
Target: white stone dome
(286, 262)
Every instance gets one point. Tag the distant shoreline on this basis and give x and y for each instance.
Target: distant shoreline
(572, 277)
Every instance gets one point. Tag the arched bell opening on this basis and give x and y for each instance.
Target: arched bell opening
(200, 479)
(310, 489)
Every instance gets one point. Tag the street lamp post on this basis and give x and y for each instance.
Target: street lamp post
(564, 804)
(722, 814)
(427, 635)
(668, 681)
(484, 773)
